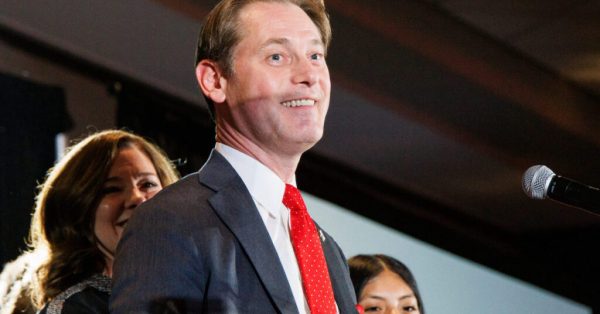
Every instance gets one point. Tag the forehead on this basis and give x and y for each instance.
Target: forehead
(274, 19)
(131, 157)
(387, 281)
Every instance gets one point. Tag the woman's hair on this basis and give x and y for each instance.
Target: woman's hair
(15, 284)
(62, 226)
(363, 268)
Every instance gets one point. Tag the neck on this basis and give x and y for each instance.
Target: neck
(283, 165)
(108, 258)
(108, 269)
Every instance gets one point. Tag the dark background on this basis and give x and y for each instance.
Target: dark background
(438, 107)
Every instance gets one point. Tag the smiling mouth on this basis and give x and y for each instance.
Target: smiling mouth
(299, 103)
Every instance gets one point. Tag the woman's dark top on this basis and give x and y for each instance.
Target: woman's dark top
(89, 296)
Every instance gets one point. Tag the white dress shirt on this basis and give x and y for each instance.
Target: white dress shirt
(267, 189)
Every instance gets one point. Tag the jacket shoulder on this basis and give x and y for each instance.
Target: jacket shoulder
(89, 296)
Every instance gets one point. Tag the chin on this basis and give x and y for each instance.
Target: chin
(304, 139)
(311, 141)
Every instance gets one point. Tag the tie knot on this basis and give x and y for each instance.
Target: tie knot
(292, 198)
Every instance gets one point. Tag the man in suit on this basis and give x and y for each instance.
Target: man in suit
(235, 237)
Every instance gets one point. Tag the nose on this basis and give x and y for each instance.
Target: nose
(305, 72)
(136, 197)
(393, 310)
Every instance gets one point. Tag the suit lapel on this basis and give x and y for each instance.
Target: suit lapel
(338, 273)
(234, 205)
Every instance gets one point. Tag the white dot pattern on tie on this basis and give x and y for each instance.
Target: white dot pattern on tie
(309, 253)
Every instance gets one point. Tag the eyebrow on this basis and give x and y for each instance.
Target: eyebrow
(377, 297)
(139, 175)
(286, 42)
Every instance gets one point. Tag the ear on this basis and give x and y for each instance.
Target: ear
(211, 82)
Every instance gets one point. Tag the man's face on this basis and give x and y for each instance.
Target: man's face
(278, 94)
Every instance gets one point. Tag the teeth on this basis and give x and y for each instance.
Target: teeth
(299, 102)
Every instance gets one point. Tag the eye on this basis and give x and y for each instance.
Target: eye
(146, 185)
(110, 189)
(372, 309)
(275, 58)
(409, 308)
(316, 56)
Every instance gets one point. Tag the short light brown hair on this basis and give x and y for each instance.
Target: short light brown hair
(220, 32)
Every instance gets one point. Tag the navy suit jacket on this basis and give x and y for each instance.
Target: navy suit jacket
(200, 246)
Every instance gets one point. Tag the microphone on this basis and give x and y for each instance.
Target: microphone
(539, 182)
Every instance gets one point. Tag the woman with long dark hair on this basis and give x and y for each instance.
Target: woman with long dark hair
(384, 285)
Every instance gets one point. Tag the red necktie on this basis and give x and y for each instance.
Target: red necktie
(309, 253)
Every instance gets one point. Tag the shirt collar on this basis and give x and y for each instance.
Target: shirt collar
(265, 187)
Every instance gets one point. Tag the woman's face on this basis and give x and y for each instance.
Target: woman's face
(388, 293)
(131, 180)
